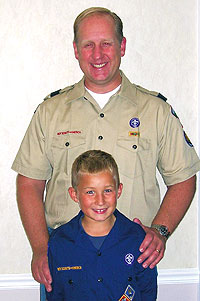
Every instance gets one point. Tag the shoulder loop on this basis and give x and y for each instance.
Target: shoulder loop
(60, 91)
(162, 97)
(153, 93)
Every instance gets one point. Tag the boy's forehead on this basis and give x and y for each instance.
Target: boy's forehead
(97, 173)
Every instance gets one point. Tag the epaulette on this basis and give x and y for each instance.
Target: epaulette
(60, 91)
(153, 93)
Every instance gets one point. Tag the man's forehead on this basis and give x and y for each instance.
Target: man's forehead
(93, 26)
(96, 19)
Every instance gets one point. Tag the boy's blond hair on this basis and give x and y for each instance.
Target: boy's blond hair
(91, 162)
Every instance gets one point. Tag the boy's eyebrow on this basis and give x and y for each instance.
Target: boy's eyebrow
(91, 187)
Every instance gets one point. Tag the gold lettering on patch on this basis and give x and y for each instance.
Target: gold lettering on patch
(69, 268)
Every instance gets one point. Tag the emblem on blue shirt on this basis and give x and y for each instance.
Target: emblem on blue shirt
(134, 122)
(129, 292)
(129, 258)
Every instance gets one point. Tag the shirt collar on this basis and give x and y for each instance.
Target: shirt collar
(127, 90)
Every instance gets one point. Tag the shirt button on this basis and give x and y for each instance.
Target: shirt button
(100, 279)
(70, 281)
(134, 146)
(130, 278)
(102, 115)
(100, 137)
(67, 144)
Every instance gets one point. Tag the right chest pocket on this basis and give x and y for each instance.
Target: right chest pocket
(65, 149)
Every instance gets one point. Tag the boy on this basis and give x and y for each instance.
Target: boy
(93, 257)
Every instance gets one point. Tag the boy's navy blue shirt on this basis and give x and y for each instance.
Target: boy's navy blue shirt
(81, 272)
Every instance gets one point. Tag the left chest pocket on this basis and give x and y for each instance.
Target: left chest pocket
(133, 155)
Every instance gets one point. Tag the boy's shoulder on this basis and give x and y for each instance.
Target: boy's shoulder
(128, 227)
(68, 230)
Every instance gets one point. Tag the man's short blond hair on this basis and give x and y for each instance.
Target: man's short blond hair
(92, 162)
(99, 11)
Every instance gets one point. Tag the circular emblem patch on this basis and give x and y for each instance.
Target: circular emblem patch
(129, 258)
(134, 122)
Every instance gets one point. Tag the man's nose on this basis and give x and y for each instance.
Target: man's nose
(97, 52)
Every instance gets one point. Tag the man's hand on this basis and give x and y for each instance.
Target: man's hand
(40, 270)
(152, 247)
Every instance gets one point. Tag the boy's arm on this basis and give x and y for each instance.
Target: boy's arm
(147, 283)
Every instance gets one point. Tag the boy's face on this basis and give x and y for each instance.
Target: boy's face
(97, 196)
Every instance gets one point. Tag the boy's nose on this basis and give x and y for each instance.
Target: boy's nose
(100, 199)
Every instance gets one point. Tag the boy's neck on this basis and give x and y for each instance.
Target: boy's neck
(98, 228)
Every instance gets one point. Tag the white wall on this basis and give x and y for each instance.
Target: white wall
(36, 58)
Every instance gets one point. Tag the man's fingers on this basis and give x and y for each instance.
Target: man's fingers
(41, 272)
(137, 221)
(154, 259)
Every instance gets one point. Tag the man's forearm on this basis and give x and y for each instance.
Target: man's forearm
(175, 204)
(30, 203)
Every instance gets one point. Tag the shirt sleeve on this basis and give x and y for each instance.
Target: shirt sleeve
(177, 160)
(147, 283)
(31, 159)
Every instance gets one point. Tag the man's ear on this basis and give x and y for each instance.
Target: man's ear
(73, 194)
(120, 188)
(75, 50)
(123, 46)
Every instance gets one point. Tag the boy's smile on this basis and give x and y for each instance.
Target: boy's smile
(97, 196)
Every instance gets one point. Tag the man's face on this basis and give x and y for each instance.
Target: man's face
(99, 53)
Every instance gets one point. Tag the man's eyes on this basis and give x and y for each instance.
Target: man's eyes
(107, 44)
(90, 192)
(104, 44)
(88, 45)
(108, 190)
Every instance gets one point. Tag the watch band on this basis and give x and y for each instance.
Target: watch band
(163, 230)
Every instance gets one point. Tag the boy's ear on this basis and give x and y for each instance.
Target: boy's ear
(120, 188)
(73, 194)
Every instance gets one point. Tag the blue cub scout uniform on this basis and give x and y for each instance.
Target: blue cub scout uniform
(112, 273)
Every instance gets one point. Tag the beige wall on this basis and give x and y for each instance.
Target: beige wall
(36, 58)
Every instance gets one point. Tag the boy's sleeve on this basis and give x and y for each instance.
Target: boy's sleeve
(147, 283)
(57, 293)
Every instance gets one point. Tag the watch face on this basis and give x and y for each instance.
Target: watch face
(163, 230)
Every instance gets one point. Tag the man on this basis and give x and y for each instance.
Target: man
(104, 111)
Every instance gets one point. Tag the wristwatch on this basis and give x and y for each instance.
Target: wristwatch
(163, 230)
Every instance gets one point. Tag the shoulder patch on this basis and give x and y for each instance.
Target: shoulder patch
(60, 91)
(153, 93)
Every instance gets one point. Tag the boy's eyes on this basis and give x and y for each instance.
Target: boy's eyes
(108, 190)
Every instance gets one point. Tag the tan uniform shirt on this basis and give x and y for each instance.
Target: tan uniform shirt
(137, 128)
